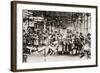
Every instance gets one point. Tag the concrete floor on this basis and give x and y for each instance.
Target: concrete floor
(51, 58)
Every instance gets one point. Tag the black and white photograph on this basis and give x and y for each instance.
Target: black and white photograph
(53, 36)
(56, 36)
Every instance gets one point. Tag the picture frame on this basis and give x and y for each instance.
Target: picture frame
(32, 23)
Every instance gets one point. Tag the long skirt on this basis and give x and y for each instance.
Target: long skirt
(87, 47)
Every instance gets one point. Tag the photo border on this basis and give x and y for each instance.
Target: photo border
(14, 35)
